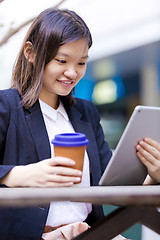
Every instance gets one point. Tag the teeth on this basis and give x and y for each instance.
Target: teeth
(67, 82)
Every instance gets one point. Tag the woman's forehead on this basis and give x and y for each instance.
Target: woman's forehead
(78, 47)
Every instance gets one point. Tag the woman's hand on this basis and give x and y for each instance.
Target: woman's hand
(148, 151)
(57, 172)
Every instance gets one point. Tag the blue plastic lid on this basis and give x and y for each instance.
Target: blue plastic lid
(70, 140)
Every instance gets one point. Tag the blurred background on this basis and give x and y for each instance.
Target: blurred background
(124, 61)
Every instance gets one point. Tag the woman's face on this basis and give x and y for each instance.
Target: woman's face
(63, 72)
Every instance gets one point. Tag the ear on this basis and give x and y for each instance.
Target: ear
(29, 52)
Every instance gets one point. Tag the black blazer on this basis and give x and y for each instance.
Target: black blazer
(24, 140)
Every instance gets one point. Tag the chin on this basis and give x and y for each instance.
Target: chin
(64, 94)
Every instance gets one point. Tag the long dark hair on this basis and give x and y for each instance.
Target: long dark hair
(50, 30)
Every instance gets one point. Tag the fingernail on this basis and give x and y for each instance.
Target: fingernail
(70, 184)
(73, 162)
(79, 172)
(78, 179)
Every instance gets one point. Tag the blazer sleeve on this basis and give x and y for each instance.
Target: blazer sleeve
(4, 123)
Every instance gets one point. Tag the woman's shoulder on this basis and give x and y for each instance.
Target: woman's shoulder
(10, 96)
(10, 93)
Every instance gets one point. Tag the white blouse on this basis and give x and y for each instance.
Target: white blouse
(64, 212)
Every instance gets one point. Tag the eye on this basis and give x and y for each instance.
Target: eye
(60, 61)
(82, 63)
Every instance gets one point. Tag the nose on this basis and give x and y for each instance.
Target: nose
(71, 73)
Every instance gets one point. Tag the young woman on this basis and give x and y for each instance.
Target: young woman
(40, 104)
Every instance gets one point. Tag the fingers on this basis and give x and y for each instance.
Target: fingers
(56, 180)
(60, 161)
(63, 179)
(147, 151)
(65, 171)
(143, 158)
(153, 143)
(54, 184)
(58, 172)
(62, 166)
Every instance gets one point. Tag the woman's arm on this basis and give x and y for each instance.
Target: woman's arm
(55, 172)
(4, 123)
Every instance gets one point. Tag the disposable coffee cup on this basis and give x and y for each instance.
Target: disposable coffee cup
(71, 145)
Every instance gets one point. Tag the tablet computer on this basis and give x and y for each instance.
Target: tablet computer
(124, 167)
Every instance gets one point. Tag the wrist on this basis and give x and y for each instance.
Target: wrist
(15, 177)
(149, 181)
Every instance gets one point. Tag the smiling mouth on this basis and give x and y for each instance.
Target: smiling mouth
(65, 82)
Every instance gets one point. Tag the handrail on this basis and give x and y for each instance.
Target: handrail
(112, 195)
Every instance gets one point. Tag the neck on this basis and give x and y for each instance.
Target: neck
(52, 102)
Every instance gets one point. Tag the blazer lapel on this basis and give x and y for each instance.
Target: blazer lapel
(85, 127)
(78, 124)
(38, 131)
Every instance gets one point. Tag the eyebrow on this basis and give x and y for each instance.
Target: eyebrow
(66, 55)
